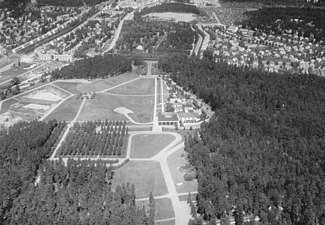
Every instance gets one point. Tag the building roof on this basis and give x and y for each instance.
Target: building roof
(167, 116)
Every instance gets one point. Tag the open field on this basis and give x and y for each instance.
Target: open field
(103, 105)
(6, 105)
(142, 86)
(103, 84)
(148, 145)
(13, 72)
(175, 162)
(186, 17)
(164, 209)
(69, 86)
(66, 111)
(146, 176)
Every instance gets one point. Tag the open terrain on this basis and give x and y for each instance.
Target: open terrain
(103, 105)
(103, 84)
(146, 176)
(66, 111)
(142, 86)
(148, 145)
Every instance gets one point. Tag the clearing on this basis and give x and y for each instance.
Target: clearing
(146, 176)
(148, 145)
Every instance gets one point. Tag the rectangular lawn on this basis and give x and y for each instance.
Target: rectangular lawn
(103, 105)
(103, 84)
(148, 145)
(164, 209)
(146, 176)
(142, 86)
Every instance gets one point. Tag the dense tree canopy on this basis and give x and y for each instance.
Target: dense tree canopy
(22, 149)
(36, 191)
(307, 21)
(96, 67)
(263, 151)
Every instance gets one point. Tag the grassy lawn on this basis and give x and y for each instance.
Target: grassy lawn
(69, 86)
(146, 176)
(13, 72)
(66, 111)
(6, 105)
(143, 86)
(164, 209)
(175, 161)
(148, 145)
(103, 84)
(103, 105)
(169, 222)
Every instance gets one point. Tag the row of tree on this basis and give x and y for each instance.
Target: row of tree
(262, 153)
(95, 139)
(100, 66)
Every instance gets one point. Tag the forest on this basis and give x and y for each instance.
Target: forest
(157, 37)
(34, 190)
(262, 153)
(100, 66)
(307, 21)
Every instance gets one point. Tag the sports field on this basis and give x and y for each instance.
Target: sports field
(148, 145)
(146, 176)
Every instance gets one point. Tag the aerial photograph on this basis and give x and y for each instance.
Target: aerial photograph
(162, 112)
